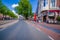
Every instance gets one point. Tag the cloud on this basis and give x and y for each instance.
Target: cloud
(14, 5)
(14, 12)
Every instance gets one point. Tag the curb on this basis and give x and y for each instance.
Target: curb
(2, 27)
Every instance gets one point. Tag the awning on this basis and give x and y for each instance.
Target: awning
(50, 11)
(54, 10)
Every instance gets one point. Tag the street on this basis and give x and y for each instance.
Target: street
(22, 31)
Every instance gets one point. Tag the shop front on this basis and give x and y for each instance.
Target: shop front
(50, 15)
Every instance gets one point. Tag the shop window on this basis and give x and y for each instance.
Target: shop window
(51, 14)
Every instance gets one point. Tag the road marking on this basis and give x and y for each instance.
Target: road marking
(50, 37)
(41, 30)
(38, 29)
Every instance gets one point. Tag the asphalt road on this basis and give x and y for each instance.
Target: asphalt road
(22, 31)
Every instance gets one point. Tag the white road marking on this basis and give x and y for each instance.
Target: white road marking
(38, 29)
(50, 37)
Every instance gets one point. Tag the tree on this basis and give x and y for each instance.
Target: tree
(1, 5)
(24, 8)
(11, 14)
(6, 11)
(3, 8)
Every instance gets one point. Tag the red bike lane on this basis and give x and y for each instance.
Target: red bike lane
(54, 34)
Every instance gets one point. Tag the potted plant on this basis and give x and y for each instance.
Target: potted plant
(58, 18)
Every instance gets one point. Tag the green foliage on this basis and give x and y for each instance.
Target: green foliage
(24, 8)
(6, 11)
(58, 18)
(11, 14)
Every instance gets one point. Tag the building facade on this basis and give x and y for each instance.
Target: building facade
(49, 9)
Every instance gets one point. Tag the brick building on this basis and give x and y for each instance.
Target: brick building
(49, 10)
(58, 3)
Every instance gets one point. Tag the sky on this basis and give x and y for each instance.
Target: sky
(13, 3)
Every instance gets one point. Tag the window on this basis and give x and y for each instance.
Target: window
(45, 2)
(53, 3)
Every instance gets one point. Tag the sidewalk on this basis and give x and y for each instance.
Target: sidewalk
(54, 35)
(4, 24)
